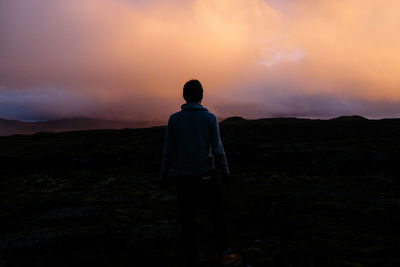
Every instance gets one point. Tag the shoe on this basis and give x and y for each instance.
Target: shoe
(231, 258)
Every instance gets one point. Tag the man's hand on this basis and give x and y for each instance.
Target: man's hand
(226, 180)
(165, 182)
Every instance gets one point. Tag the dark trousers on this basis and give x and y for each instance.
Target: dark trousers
(193, 188)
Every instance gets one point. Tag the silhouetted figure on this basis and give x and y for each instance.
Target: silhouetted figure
(193, 143)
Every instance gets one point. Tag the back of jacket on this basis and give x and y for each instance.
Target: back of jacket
(193, 142)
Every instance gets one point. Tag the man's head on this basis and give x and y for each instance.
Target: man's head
(193, 91)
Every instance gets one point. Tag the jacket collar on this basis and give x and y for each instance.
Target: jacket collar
(192, 107)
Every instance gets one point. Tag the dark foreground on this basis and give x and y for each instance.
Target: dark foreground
(304, 193)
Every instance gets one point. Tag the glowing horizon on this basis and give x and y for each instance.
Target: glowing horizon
(129, 59)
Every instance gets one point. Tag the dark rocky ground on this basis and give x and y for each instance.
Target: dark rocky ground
(304, 193)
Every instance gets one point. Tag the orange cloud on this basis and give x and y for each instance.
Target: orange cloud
(108, 45)
(243, 50)
(350, 42)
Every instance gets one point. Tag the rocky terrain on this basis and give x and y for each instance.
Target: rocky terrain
(11, 127)
(304, 193)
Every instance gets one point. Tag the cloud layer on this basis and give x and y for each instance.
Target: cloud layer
(129, 59)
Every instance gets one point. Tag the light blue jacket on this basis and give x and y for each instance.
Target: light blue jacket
(193, 142)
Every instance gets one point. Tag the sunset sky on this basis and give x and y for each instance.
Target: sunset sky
(129, 59)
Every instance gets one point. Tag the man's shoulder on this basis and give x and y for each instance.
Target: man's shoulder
(205, 113)
(211, 115)
(176, 114)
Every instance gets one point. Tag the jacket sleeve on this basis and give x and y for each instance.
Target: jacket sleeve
(168, 150)
(217, 149)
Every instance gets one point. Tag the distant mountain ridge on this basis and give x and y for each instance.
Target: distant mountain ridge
(10, 127)
(350, 118)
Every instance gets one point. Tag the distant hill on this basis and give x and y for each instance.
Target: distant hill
(233, 120)
(10, 127)
(350, 118)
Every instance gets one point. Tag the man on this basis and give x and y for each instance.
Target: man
(193, 142)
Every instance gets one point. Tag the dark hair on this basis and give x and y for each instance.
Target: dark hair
(193, 91)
